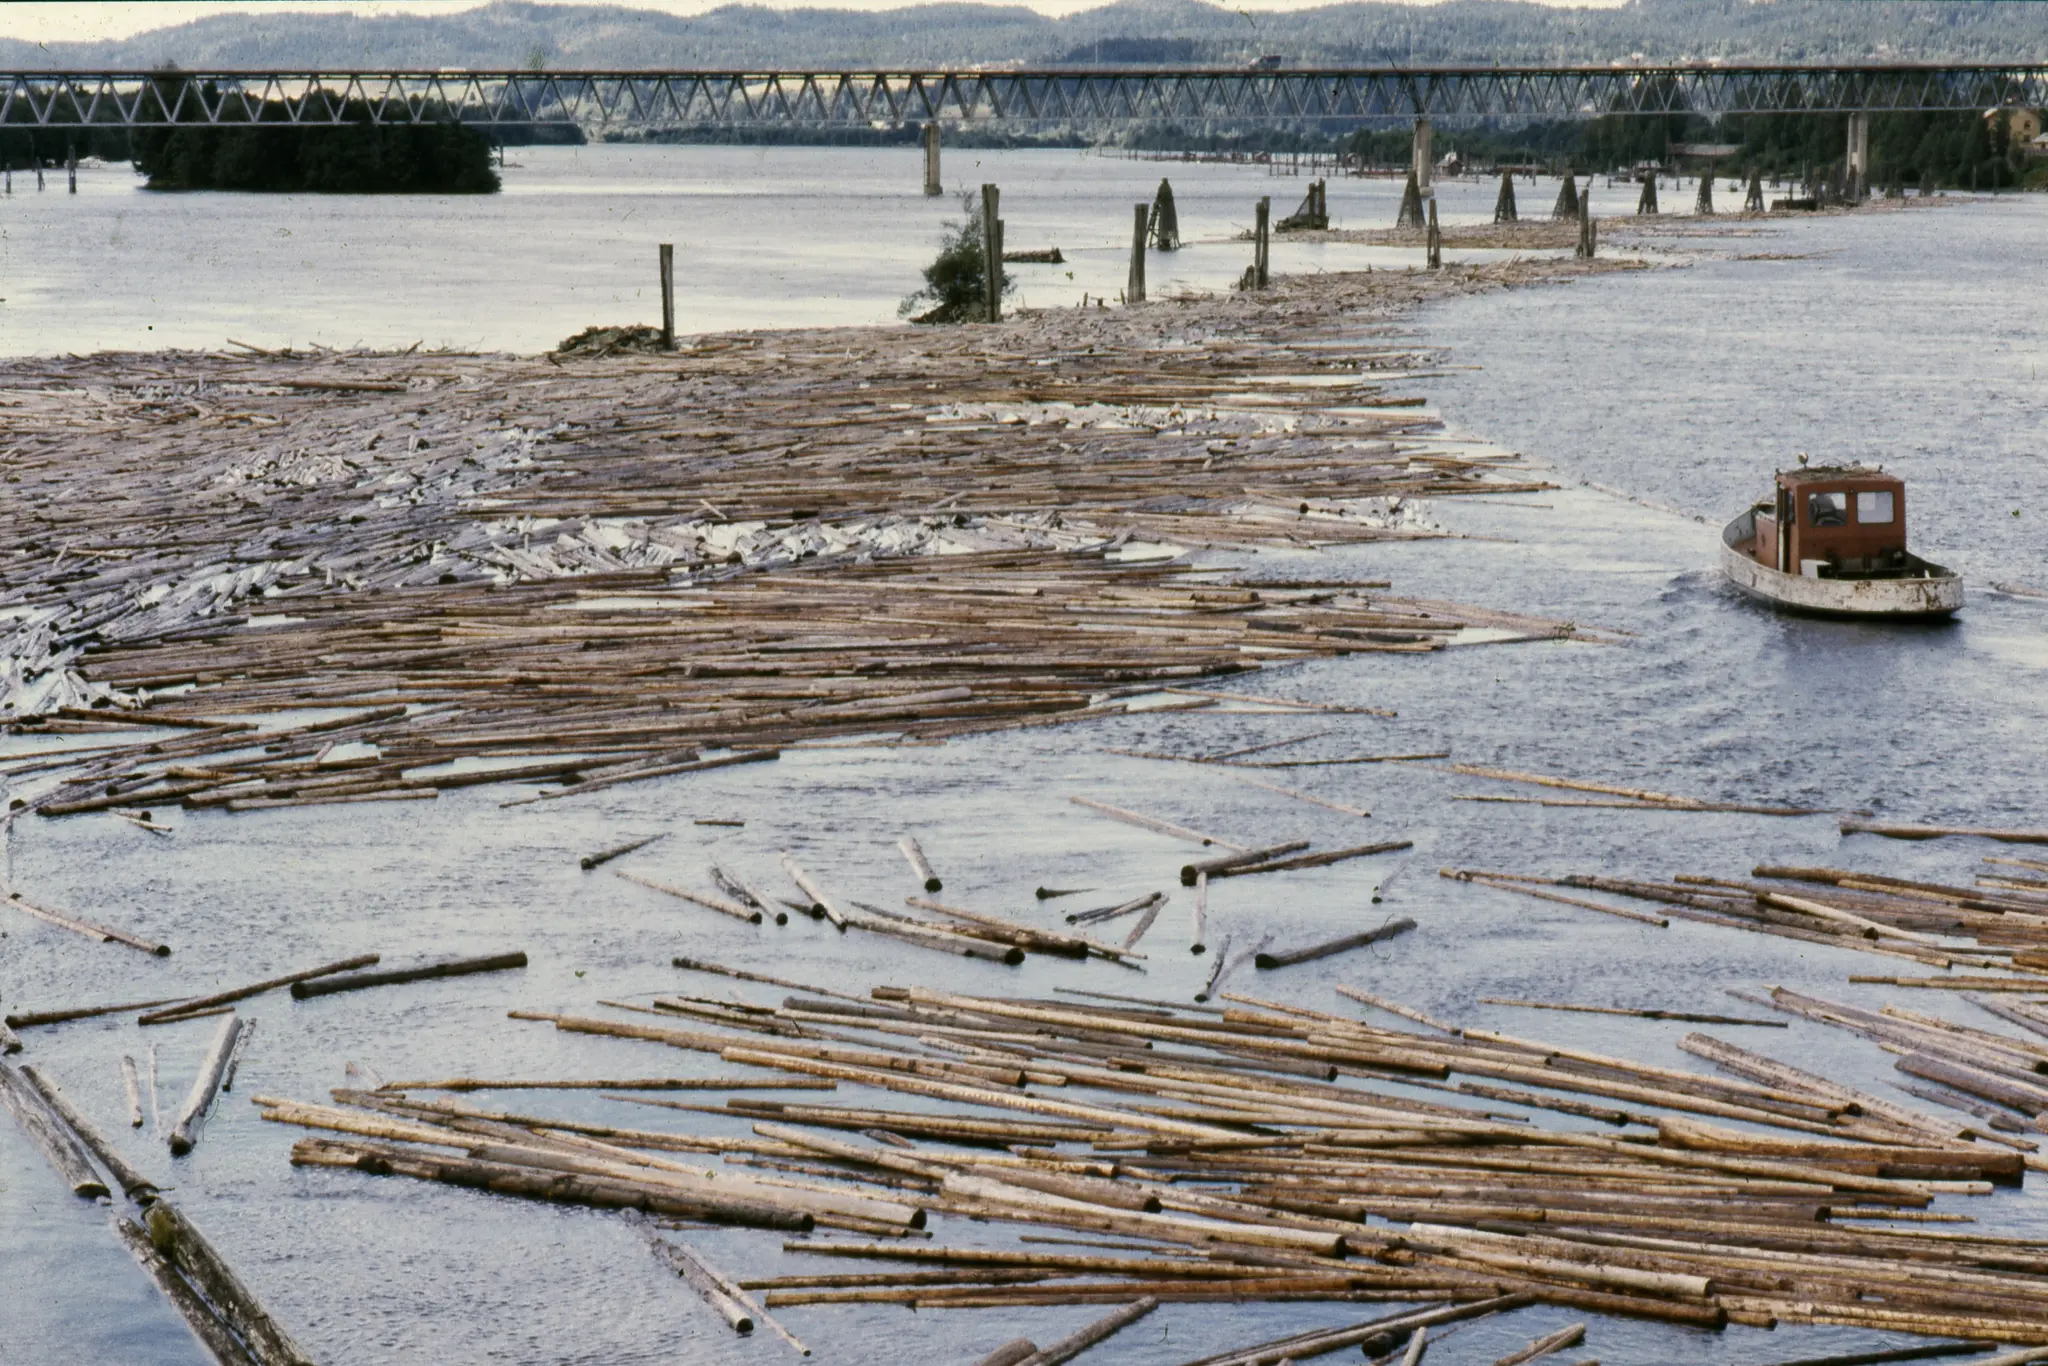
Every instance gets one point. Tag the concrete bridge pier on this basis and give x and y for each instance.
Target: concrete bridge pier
(1423, 161)
(931, 160)
(1858, 157)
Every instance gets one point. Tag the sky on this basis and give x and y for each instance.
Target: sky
(46, 21)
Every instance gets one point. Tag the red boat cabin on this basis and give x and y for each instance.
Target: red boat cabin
(1840, 522)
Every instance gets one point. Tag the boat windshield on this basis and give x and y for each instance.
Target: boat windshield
(1827, 509)
(1874, 509)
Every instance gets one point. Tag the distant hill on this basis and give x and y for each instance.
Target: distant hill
(1149, 32)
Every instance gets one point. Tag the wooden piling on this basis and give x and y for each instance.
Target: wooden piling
(668, 297)
(1134, 285)
(1262, 232)
(1703, 204)
(1435, 244)
(1504, 205)
(991, 255)
(933, 186)
(1411, 215)
(1567, 206)
(1646, 203)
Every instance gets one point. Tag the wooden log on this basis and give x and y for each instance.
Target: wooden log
(1317, 860)
(821, 904)
(186, 1008)
(733, 1291)
(1348, 942)
(1375, 1336)
(182, 1245)
(133, 1183)
(450, 967)
(919, 868)
(1152, 823)
(10, 1042)
(1419, 1343)
(1075, 1343)
(1217, 867)
(1121, 909)
(708, 1285)
(743, 890)
(1303, 796)
(1894, 831)
(1199, 924)
(1569, 1336)
(211, 1330)
(184, 1131)
(1396, 1008)
(1688, 1017)
(704, 899)
(1144, 923)
(24, 1019)
(131, 1090)
(92, 929)
(62, 1150)
(604, 856)
(618, 1084)
(1010, 1353)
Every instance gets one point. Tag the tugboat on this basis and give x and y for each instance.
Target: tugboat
(1833, 544)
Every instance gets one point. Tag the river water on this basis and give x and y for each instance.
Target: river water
(1914, 339)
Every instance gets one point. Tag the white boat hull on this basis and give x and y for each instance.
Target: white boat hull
(1933, 594)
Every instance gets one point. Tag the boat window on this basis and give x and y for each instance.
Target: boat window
(1827, 509)
(1874, 509)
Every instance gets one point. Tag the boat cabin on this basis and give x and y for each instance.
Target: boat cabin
(1834, 522)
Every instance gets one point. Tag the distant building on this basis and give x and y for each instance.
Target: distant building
(1451, 164)
(2023, 126)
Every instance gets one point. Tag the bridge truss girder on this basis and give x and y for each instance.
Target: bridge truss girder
(849, 99)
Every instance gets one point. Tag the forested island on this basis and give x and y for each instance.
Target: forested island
(353, 157)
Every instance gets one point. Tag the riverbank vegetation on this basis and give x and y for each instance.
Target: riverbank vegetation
(956, 282)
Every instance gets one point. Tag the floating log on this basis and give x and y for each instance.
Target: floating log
(619, 1084)
(1152, 823)
(92, 929)
(62, 1150)
(922, 870)
(1317, 860)
(708, 1284)
(1108, 1326)
(1218, 866)
(184, 1130)
(704, 899)
(1685, 1016)
(1893, 831)
(449, 967)
(820, 903)
(183, 1246)
(208, 1326)
(1303, 796)
(1010, 1353)
(133, 1183)
(1334, 946)
(131, 1090)
(1200, 924)
(26, 1018)
(604, 856)
(1570, 1336)
(186, 1008)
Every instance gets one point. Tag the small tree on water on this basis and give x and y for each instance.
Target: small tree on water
(955, 288)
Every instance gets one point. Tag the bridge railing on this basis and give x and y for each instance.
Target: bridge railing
(1076, 96)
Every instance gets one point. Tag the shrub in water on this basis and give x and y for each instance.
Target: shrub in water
(955, 289)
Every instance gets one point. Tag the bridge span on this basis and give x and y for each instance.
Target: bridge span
(1084, 96)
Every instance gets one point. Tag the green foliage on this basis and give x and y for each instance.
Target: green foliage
(955, 287)
(356, 157)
